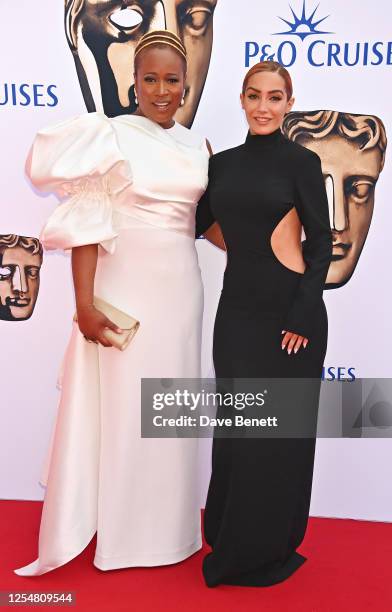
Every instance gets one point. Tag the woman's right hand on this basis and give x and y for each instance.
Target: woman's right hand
(92, 323)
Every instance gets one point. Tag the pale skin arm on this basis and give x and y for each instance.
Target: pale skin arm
(91, 321)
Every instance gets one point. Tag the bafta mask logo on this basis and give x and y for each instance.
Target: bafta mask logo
(103, 34)
(20, 263)
(352, 151)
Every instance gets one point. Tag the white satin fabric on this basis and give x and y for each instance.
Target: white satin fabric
(108, 169)
(132, 187)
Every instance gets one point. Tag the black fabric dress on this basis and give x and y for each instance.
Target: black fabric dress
(258, 500)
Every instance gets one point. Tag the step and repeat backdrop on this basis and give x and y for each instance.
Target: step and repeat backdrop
(63, 58)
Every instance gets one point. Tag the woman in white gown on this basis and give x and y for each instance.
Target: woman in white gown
(131, 185)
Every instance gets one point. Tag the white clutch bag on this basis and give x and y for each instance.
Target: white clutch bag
(128, 324)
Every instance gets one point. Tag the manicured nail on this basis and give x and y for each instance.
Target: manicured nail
(295, 350)
(283, 347)
(283, 331)
(289, 351)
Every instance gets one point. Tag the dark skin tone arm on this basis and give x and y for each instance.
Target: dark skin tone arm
(154, 80)
(91, 321)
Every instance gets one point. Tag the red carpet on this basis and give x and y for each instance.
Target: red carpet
(349, 569)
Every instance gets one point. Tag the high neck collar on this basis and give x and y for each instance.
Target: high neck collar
(258, 141)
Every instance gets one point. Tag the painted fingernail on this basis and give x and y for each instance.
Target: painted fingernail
(283, 347)
(289, 351)
(283, 331)
(295, 350)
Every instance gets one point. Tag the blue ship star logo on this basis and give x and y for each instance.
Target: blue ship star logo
(303, 26)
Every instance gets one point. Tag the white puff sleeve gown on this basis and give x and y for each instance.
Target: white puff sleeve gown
(132, 187)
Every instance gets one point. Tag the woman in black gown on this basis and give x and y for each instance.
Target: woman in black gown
(259, 197)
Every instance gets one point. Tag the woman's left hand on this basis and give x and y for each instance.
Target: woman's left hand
(293, 341)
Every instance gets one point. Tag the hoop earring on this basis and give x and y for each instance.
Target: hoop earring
(136, 100)
(183, 100)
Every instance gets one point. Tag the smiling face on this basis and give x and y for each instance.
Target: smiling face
(350, 174)
(159, 83)
(265, 102)
(103, 35)
(19, 282)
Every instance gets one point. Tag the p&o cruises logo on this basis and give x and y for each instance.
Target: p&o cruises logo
(304, 42)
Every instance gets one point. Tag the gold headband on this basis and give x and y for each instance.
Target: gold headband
(164, 37)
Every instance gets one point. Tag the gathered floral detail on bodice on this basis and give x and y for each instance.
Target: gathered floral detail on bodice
(105, 170)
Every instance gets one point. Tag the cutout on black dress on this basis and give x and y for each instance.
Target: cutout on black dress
(287, 225)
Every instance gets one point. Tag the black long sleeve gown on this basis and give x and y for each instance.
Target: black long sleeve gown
(258, 500)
